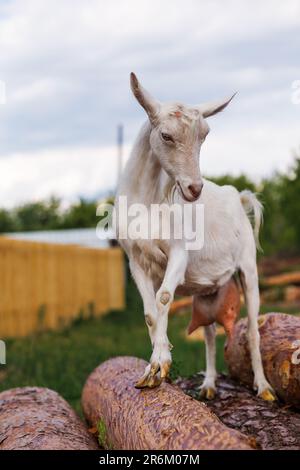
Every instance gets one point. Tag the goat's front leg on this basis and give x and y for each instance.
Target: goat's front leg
(146, 290)
(174, 275)
(156, 310)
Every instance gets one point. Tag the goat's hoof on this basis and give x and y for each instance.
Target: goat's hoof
(267, 395)
(154, 381)
(148, 381)
(208, 393)
(154, 369)
(154, 375)
(165, 369)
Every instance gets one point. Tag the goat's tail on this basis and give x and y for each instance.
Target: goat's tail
(254, 211)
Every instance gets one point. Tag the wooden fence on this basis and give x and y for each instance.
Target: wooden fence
(46, 286)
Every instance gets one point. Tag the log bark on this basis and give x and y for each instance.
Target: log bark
(163, 418)
(279, 343)
(275, 426)
(35, 418)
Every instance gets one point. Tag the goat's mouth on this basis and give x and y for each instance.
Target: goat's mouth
(188, 198)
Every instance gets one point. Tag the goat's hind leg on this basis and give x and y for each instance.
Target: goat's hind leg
(208, 388)
(249, 279)
(204, 314)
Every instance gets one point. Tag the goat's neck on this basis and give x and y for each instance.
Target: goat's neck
(144, 179)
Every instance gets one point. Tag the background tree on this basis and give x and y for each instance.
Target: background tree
(280, 195)
(37, 215)
(7, 222)
(80, 215)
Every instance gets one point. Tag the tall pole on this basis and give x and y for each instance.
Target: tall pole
(120, 135)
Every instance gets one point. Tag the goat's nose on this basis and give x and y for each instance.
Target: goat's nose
(195, 189)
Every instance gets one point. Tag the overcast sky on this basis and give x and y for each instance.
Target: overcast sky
(66, 66)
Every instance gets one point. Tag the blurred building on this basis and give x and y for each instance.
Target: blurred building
(83, 237)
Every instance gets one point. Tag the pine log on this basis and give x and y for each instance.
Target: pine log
(181, 304)
(35, 418)
(282, 279)
(280, 349)
(292, 294)
(163, 418)
(274, 425)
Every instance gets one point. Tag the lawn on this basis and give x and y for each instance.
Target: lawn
(62, 360)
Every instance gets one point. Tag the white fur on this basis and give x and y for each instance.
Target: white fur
(161, 268)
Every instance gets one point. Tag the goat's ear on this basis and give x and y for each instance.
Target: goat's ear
(209, 109)
(150, 105)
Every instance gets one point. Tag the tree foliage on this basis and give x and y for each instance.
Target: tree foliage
(80, 215)
(48, 215)
(280, 195)
(37, 215)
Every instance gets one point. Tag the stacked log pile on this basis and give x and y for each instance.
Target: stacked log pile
(170, 417)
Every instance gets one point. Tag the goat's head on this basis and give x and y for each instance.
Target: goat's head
(177, 133)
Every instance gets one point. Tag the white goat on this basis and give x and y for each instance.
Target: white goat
(166, 157)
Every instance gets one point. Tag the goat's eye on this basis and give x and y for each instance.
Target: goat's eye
(167, 137)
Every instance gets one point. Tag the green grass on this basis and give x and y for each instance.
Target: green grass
(62, 360)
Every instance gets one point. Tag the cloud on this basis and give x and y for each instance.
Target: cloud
(66, 65)
(254, 151)
(68, 173)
